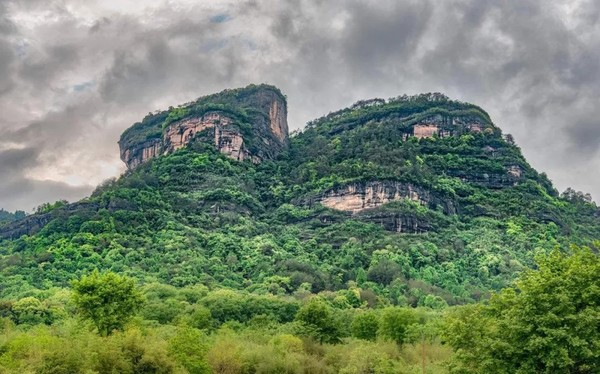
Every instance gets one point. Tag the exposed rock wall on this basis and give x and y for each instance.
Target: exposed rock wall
(512, 175)
(231, 143)
(180, 133)
(401, 223)
(278, 120)
(35, 222)
(447, 126)
(361, 200)
(358, 197)
(425, 130)
(141, 152)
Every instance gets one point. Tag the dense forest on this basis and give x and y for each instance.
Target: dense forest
(395, 236)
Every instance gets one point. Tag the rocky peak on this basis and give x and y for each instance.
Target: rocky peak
(245, 124)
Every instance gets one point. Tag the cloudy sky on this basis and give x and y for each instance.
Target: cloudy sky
(74, 74)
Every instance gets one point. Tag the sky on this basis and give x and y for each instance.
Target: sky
(75, 74)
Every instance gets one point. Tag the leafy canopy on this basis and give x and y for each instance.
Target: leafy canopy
(108, 300)
(549, 322)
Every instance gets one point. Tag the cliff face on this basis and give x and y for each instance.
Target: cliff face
(135, 155)
(443, 126)
(357, 197)
(362, 200)
(245, 124)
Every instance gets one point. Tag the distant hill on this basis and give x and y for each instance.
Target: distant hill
(6, 216)
(417, 200)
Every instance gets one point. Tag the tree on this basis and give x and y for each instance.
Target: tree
(395, 323)
(188, 347)
(30, 310)
(576, 196)
(319, 322)
(549, 322)
(108, 300)
(365, 325)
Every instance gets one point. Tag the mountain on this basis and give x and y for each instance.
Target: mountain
(416, 200)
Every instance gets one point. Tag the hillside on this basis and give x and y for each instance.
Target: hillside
(416, 200)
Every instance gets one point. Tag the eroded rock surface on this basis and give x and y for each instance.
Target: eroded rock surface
(278, 120)
(357, 197)
(142, 152)
(444, 126)
(180, 133)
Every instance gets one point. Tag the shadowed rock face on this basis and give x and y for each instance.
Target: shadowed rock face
(261, 108)
(141, 153)
(448, 126)
(35, 222)
(511, 176)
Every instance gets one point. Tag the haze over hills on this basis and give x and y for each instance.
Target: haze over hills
(421, 200)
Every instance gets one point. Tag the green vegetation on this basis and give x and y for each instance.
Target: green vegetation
(548, 323)
(242, 269)
(198, 217)
(107, 300)
(6, 217)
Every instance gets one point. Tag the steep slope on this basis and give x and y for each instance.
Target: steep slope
(417, 200)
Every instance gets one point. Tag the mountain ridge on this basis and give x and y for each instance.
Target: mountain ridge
(413, 198)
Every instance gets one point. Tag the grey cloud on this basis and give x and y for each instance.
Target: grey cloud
(6, 25)
(26, 194)
(43, 69)
(7, 52)
(7, 58)
(20, 192)
(377, 37)
(14, 161)
(584, 136)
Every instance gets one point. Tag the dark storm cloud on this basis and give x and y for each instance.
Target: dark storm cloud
(74, 75)
(585, 136)
(21, 192)
(378, 38)
(26, 194)
(13, 161)
(7, 54)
